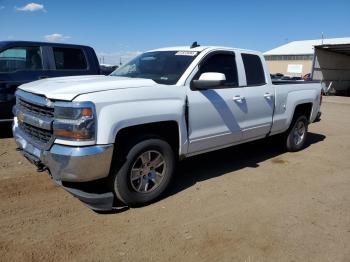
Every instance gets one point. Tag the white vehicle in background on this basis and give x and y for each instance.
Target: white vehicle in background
(104, 138)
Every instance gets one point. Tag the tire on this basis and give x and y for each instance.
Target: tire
(296, 135)
(146, 172)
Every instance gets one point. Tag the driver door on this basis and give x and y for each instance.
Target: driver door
(214, 119)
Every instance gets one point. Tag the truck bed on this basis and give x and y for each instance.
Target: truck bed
(285, 82)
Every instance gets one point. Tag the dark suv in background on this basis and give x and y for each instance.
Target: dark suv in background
(22, 62)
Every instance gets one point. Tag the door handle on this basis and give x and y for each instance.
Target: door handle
(238, 99)
(43, 77)
(268, 95)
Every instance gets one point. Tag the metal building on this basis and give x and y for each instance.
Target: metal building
(332, 67)
(296, 58)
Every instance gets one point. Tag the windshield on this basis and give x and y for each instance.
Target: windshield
(165, 67)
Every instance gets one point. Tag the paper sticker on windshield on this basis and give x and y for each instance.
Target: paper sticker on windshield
(187, 53)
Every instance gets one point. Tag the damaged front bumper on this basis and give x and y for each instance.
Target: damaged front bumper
(74, 165)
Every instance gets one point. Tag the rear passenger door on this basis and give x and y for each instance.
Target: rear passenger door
(68, 61)
(259, 99)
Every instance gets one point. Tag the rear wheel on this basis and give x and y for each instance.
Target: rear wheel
(146, 172)
(297, 134)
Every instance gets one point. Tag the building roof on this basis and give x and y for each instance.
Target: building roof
(305, 47)
(340, 48)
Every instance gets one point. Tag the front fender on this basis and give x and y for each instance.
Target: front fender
(118, 109)
(113, 118)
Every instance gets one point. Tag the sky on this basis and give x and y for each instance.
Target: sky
(121, 29)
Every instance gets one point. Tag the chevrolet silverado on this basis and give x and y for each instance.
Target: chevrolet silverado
(118, 137)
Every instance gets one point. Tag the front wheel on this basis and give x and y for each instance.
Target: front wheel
(297, 134)
(146, 172)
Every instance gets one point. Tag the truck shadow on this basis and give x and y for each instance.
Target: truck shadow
(218, 163)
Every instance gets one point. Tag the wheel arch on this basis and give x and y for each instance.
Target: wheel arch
(168, 130)
(303, 109)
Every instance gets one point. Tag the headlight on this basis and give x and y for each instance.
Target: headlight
(75, 121)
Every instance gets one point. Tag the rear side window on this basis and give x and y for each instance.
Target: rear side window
(253, 69)
(20, 58)
(69, 58)
(221, 63)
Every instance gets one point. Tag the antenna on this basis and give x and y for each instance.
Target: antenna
(195, 44)
(322, 38)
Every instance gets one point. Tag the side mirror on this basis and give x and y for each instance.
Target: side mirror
(208, 80)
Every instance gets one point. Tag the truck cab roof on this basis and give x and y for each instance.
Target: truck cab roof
(202, 48)
(37, 43)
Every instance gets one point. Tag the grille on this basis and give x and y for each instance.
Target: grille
(39, 135)
(35, 106)
(36, 109)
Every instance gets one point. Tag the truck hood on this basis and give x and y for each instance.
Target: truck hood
(67, 88)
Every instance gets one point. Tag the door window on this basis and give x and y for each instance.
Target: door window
(253, 69)
(69, 58)
(20, 58)
(221, 63)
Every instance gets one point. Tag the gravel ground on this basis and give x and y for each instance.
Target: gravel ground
(250, 203)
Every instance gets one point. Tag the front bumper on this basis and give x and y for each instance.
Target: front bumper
(71, 164)
(318, 117)
(95, 201)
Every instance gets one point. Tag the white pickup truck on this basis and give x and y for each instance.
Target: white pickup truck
(118, 137)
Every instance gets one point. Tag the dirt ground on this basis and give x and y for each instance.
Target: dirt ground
(250, 203)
